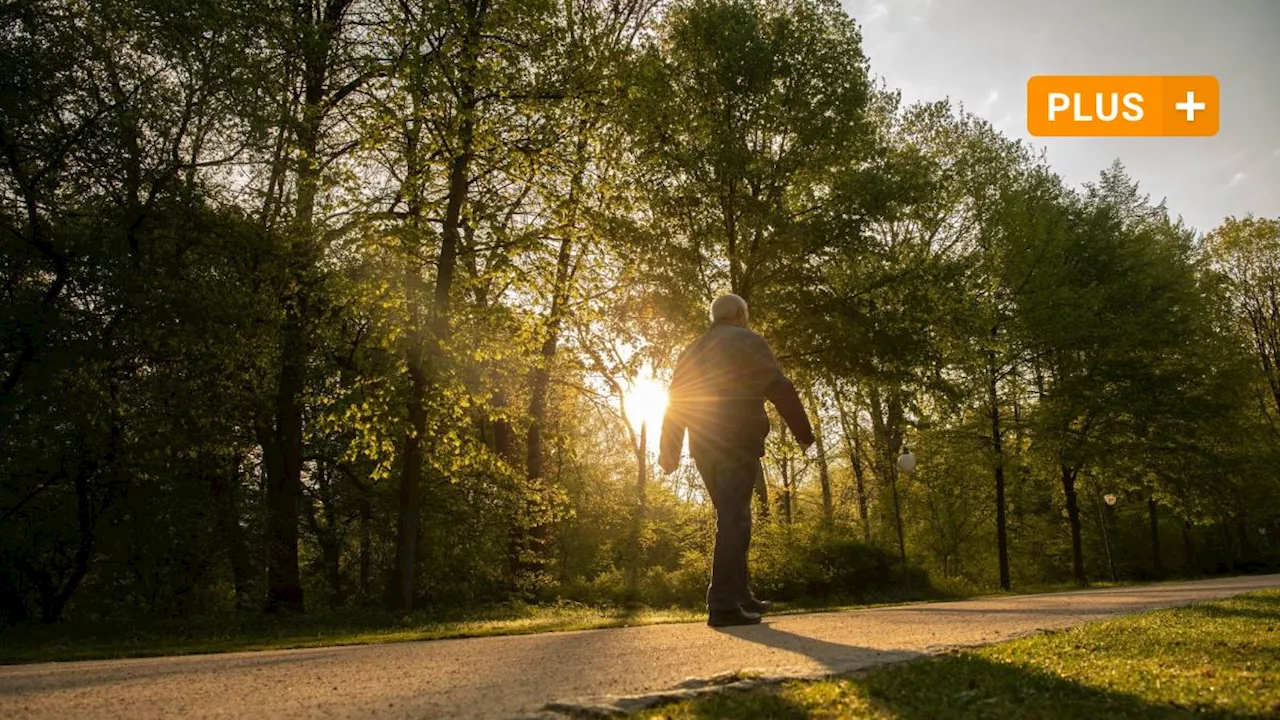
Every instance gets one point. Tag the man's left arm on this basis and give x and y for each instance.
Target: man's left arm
(782, 393)
(674, 422)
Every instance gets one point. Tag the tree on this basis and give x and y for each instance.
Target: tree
(745, 109)
(1247, 254)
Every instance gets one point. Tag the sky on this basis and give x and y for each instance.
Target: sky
(980, 53)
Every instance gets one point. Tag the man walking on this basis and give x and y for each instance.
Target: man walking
(718, 393)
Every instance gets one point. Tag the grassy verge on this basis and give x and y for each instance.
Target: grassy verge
(1219, 660)
(83, 641)
(113, 640)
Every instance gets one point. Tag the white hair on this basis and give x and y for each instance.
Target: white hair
(727, 307)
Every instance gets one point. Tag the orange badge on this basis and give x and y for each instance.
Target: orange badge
(1122, 105)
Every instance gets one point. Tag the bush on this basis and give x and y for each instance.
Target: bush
(788, 563)
(685, 586)
(792, 563)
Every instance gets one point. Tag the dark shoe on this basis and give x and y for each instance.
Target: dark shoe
(728, 618)
(758, 607)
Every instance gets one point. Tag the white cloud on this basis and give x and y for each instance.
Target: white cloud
(877, 10)
(1236, 180)
(990, 102)
(1234, 159)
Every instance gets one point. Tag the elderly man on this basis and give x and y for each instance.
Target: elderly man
(718, 393)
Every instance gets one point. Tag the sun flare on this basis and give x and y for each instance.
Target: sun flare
(645, 403)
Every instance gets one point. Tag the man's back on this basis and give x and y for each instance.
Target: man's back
(718, 393)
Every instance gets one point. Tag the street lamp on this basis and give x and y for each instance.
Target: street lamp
(1110, 500)
(907, 462)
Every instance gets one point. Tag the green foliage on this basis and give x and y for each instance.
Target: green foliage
(792, 563)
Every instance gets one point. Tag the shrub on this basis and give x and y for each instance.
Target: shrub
(823, 563)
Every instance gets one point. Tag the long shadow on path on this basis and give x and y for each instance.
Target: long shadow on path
(835, 657)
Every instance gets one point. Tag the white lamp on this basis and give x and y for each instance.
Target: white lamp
(907, 462)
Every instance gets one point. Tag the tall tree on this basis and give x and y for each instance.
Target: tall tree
(1247, 253)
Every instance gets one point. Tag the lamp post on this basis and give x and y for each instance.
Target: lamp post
(907, 464)
(1110, 500)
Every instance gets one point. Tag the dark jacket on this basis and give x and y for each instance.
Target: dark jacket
(718, 393)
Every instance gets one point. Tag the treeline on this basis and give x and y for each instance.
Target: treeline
(334, 303)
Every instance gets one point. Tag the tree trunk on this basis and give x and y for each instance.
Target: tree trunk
(401, 591)
(859, 475)
(284, 481)
(316, 35)
(997, 447)
(728, 196)
(408, 501)
(55, 601)
(888, 444)
(787, 481)
(526, 547)
(330, 538)
(1246, 543)
(504, 441)
(326, 533)
(637, 523)
(223, 483)
(408, 520)
(555, 317)
(1228, 548)
(1188, 549)
(366, 544)
(1157, 565)
(853, 447)
(1073, 517)
(824, 471)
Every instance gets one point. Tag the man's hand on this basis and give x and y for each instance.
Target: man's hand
(667, 463)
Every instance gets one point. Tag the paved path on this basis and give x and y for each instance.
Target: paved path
(503, 677)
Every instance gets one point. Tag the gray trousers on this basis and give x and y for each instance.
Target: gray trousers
(730, 483)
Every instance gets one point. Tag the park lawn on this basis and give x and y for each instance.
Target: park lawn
(89, 641)
(1219, 660)
(113, 640)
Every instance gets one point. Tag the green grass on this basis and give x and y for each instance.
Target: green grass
(106, 641)
(73, 640)
(97, 641)
(1219, 660)
(112, 640)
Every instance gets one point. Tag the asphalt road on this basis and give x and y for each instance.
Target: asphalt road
(504, 677)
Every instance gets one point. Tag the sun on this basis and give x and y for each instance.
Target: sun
(645, 403)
